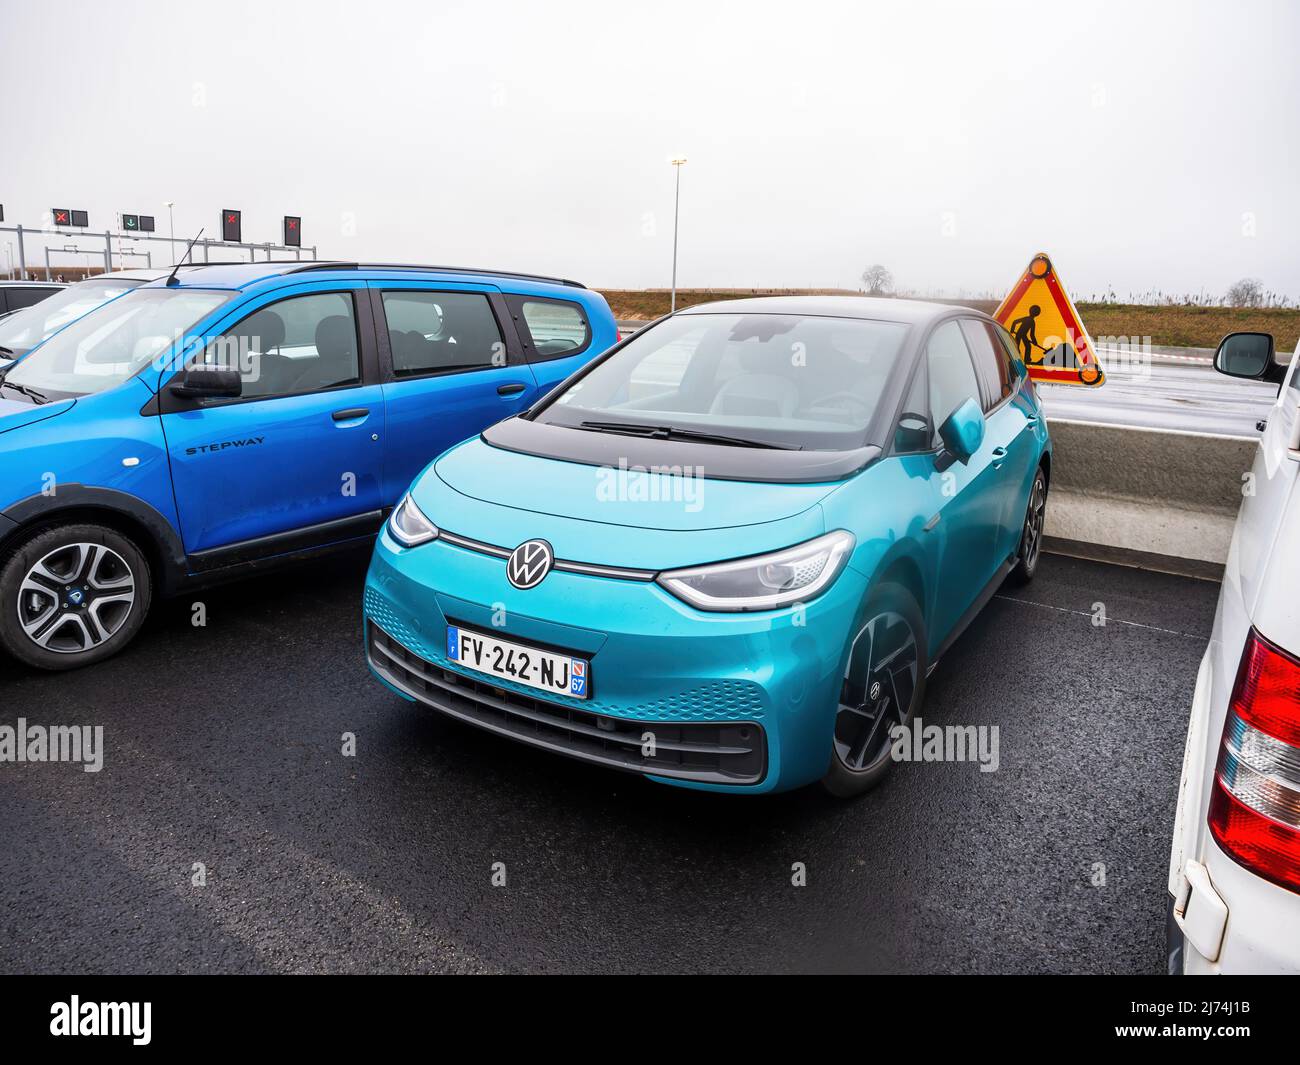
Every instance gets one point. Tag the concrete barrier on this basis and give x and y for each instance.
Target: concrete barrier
(1157, 498)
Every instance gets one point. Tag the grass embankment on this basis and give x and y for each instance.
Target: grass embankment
(1191, 327)
(1177, 326)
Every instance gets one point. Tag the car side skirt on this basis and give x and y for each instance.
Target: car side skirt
(981, 601)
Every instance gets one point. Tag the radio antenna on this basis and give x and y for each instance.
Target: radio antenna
(171, 279)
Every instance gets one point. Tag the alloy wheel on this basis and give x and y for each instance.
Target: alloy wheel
(885, 650)
(75, 598)
(1034, 519)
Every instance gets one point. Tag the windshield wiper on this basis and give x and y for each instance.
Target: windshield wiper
(672, 432)
(26, 390)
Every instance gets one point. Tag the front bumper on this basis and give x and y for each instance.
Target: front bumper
(733, 702)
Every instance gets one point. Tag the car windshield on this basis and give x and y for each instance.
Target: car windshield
(112, 343)
(24, 329)
(767, 380)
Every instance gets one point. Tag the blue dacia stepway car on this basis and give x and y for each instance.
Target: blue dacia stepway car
(727, 553)
(229, 417)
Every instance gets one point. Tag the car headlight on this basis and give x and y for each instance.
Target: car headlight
(763, 582)
(409, 526)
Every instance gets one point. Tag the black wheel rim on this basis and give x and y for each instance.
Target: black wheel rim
(1034, 518)
(878, 691)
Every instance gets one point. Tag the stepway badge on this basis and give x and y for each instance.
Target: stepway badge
(578, 671)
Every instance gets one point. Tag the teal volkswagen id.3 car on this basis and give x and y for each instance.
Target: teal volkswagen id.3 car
(727, 553)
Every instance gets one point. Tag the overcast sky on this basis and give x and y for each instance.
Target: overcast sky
(1145, 146)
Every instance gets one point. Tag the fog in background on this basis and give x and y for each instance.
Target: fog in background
(1145, 146)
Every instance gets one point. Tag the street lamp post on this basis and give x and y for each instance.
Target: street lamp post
(677, 200)
(171, 226)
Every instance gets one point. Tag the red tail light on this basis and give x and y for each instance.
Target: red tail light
(1267, 692)
(1255, 808)
(618, 336)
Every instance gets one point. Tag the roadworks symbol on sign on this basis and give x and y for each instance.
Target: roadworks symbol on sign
(1048, 330)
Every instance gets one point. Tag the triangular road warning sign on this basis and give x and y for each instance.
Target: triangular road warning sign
(1048, 330)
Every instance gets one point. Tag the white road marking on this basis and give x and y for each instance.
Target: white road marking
(1109, 620)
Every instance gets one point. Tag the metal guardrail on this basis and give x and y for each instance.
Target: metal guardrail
(1158, 498)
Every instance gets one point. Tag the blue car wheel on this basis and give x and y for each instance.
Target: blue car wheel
(884, 686)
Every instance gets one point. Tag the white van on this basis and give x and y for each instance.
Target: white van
(1234, 873)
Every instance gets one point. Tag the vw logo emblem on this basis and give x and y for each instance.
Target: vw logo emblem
(876, 689)
(529, 563)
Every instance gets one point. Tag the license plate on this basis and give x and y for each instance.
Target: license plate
(531, 666)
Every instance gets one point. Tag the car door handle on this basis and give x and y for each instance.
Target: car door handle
(999, 456)
(512, 389)
(1031, 419)
(350, 414)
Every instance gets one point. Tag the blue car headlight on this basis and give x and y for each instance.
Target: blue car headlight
(763, 582)
(408, 525)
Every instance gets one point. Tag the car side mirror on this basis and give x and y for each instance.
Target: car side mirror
(962, 431)
(199, 382)
(1248, 355)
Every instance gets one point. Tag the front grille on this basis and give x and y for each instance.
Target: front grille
(725, 752)
(708, 703)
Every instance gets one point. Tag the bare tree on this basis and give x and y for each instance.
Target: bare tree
(877, 279)
(1248, 292)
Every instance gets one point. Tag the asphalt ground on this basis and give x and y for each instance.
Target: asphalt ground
(222, 746)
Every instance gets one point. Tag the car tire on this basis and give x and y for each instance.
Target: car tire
(72, 595)
(886, 668)
(1030, 548)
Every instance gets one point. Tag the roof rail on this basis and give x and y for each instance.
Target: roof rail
(213, 262)
(297, 269)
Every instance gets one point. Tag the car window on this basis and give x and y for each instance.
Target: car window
(114, 342)
(1009, 353)
(557, 327)
(952, 375)
(26, 297)
(28, 327)
(807, 382)
(914, 431)
(662, 370)
(437, 332)
(299, 345)
(986, 349)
